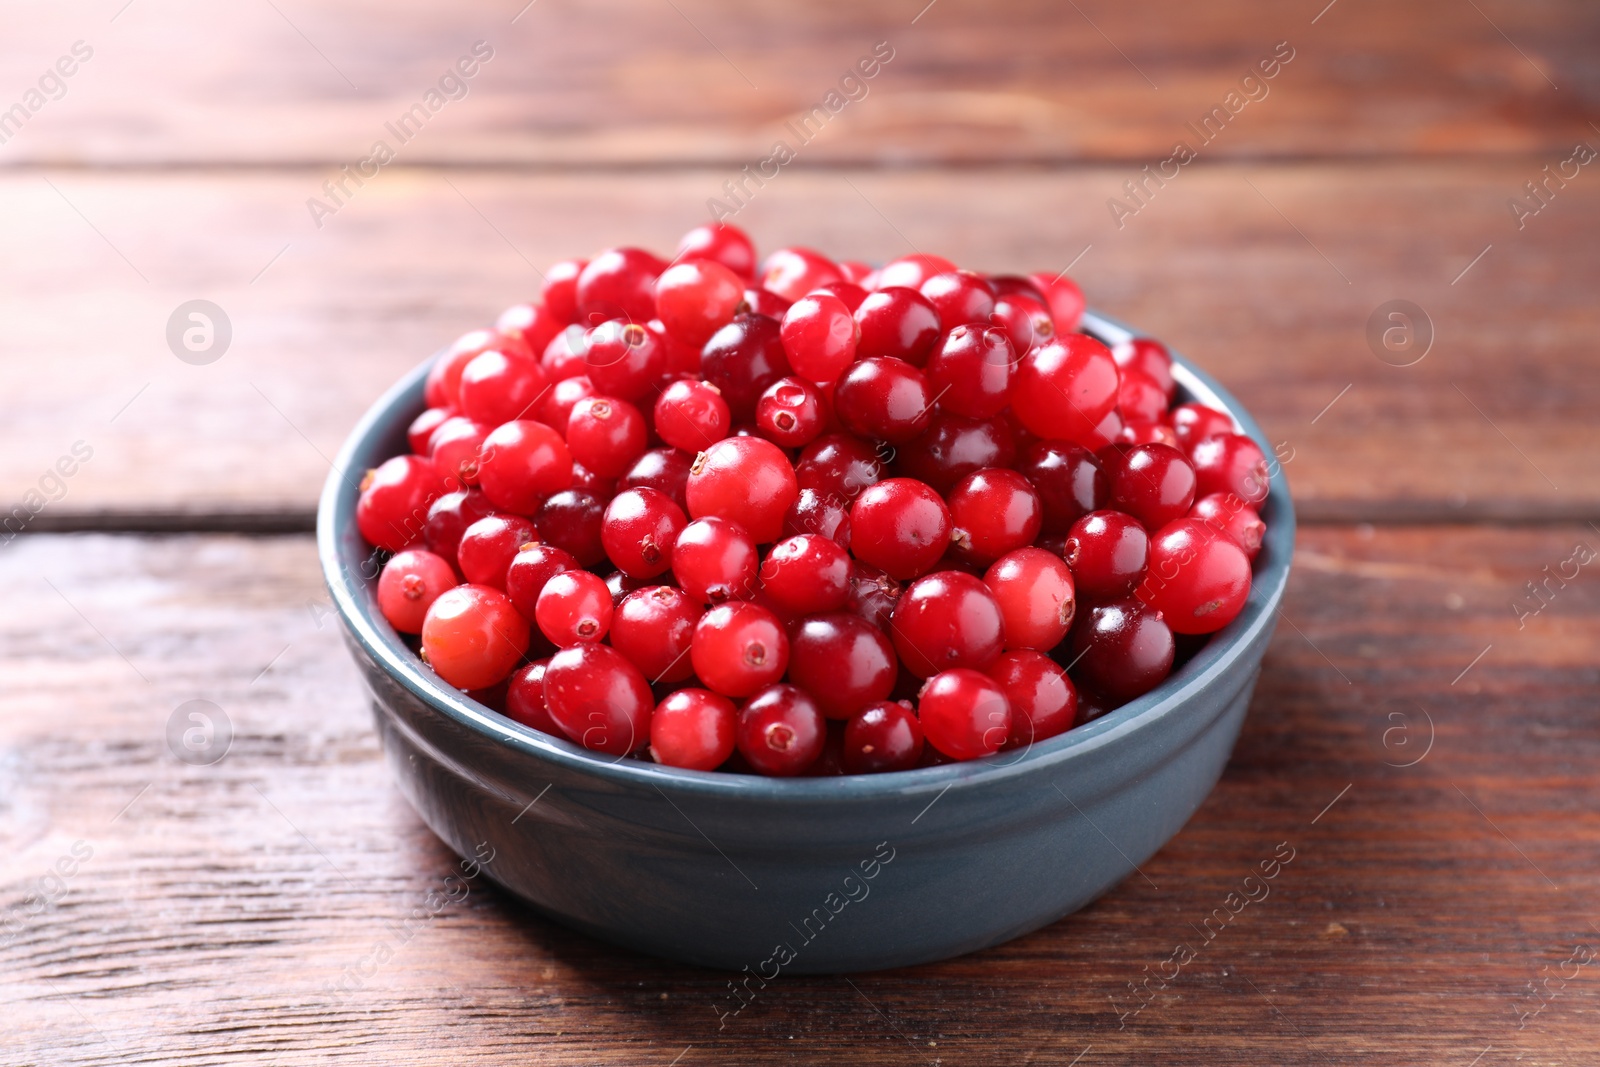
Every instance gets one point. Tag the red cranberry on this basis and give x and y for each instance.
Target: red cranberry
(747, 480)
(1065, 389)
(1197, 578)
(409, 584)
(761, 302)
(807, 574)
(571, 520)
(715, 560)
(1107, 551)
(1140, 397)
(533, 324)
(898, 323)
(959, 297)
(394, 502)
(882, 737)
(449, 517)
(964, 714)
(488, 546)
(947, 619)
(791, 412)
(952, 447)
(781, 732)
(1194, 423)
(739, 648)
(970, 372)
(574, 606)
(849, 292)
(1227, 514)
(564, 356)
(443, 385)
(696, 298)
(420, 432)
(1069, 481)
(838, 465)
(901, 526)
(793, 272)
(843, 661)
(1153, 483)
(885, 398)
(1120, 649)
(812, 513)
(665, 470)
(1063, 297)
(1043, 700)
(624, 360)
(742, 359)
(639, 530)
(1025, 320)
(606, 435)
(691, 415)
(1036, 595)
(694, 729)
(1147, 433)
(534, 564)
(560, 292)
(472, 637)
(653, 627)
(1147, 356)
(521, 463)
(1231, 463)
(682, 359)
(618, 284)
(992, 512)
(599, 699)
(497, 388)
(722, 242)
(873, 594)
(911, 271)
(819, 337)
(525, 699)
(556, 411)
(454, 450)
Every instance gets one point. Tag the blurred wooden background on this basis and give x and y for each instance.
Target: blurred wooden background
(1435, 911)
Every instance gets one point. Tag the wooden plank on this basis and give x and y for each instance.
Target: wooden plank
(632, 82)
(219, 903)
(1495, 422)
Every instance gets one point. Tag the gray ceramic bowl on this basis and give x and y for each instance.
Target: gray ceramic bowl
(809, 875)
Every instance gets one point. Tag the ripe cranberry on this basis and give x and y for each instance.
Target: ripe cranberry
(497, 388)
(653, 627)
(715, 560)
(1147, 433)
(742, 359)
(1107, 551)
(964, 714)
(599, 699)
(573, 606)
(1036, 595)
(1043, 700)
(1069, 481)
(560, 292)
(409, 584)
(454, 450)
(1120, 650)
(624, 360)
(638, 531)
(691, 415)
(721, 242)
(747, 480)
(843, 661)
(1065, 389)
(1025, 320)
(694, 729)
(1194, 423)
(791, 412)
(970, 372)
(952, 447)
(1140, 397)
(960, 297)
(898, 323)
(606, 435)
(739, 648)
(487, 548)
(571, 520)
(759, 301)
(992, 511)
(1153, 483)
(618, 284)
(589, 482)
(533, 324)
(849, 292)
(794, 272)
(665, 470)
(1230, 516)
(900, 526)
(911, 271)
(780, 732)
(1149, 357)
(564, 356)
(885, 398)
(807, 574)
(812, 513)
(819, 337)
(443, 385)
(521, 463)
(394, 501)
(1231, 463)
(534, 564)
(873, 594)
(1197, 578)
(696, 298)
(472, 637)
(1064, 299)
(947, 619)
(420, 432)
(838, 465)
(525, 699)
(884, 736)
(449, 517)
(556, 411)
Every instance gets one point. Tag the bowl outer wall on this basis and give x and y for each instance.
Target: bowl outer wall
(706, 867)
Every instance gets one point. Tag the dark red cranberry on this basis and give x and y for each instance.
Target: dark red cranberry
(742, 359)
(970, 372)
(952, 447)
(1120, 649)
(571, 520)
(897, 323)
(843, 661)
(694, 729)
(1025, 320)
(1069, 481)
(1043, 700)
(814, 514)
(665, 470)
(838, 465)
(959, 297)
(619, 283)
(525, 699)
(653, 627)
(964, 714)
(992, 512)
(759, 301)
(1107, 551)
(1197, 577)
(599, 699)
(449, 517)
(883, 398)
(781, 732)
(947, 619)
(739, 648)
(534, 564)
(851, 293)
(638, 531)
(900, 526)
(873, 594)
(882, 737)
(1153, 483)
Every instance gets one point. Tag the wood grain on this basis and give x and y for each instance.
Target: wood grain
(221, 903)
(1495, 421)
(630, 82)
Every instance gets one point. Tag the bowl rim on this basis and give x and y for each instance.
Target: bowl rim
(357, 611)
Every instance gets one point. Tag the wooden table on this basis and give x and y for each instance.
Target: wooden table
(1424, 736)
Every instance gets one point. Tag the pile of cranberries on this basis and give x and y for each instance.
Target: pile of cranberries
(810, 517)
